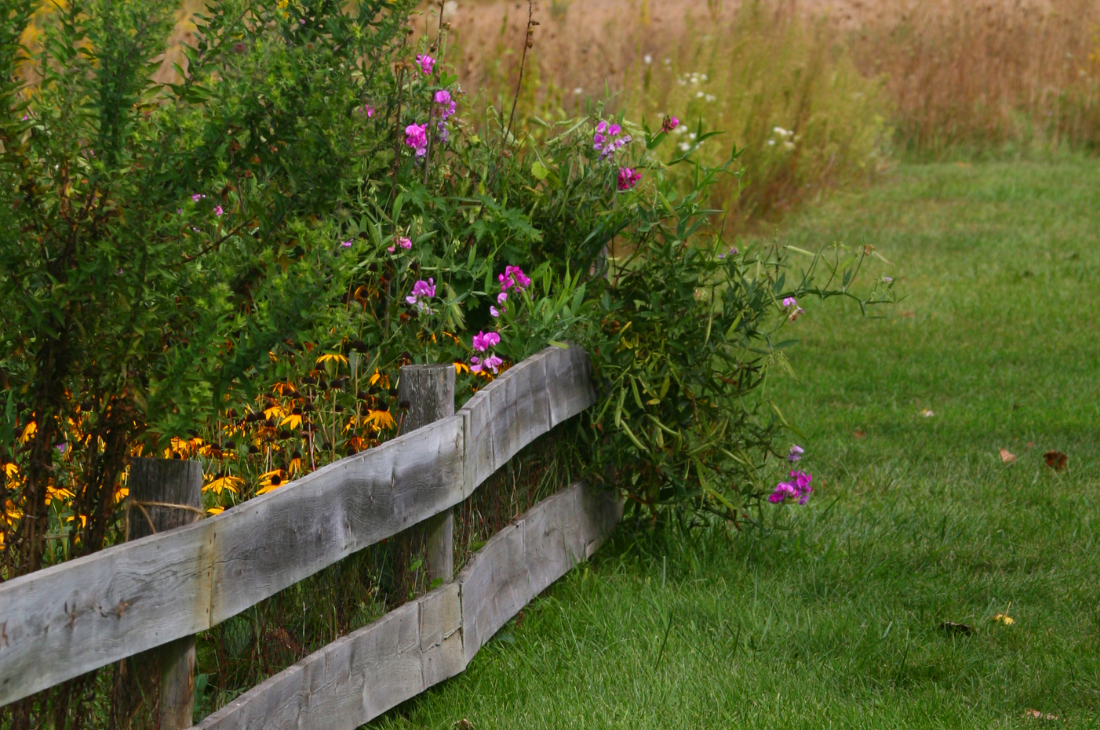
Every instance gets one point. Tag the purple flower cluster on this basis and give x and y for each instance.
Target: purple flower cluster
(404, 242)
(422, 290)
(416, 136)
(792, 304)
(607, 141)
(426, 63)
(446, 109)
(502, 299)
(798, 488)
(513, 276)
(628, 178)
(482, 342)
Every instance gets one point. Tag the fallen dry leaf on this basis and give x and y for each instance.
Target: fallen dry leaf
(1007, 457)
(951, 627)
(1003, 619)
(1056, 460)
(860, 434)
(1036, 715)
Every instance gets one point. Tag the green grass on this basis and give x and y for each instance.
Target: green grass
(832, 620)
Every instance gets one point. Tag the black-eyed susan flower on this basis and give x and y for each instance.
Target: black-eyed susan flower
(270, 481)
(222, 482)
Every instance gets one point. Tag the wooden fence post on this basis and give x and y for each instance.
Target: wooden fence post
(154, 485)
(429, 391)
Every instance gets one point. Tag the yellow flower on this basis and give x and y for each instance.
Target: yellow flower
(270, 481)
(376, 377)
(28, 432)
(62, 494)
(121, 493)
(275, 411)
(11, 469)
(1003, 619)
(332, 357)
(381, 419)
(83, 520)
(461, 367)
(283, 388)
(12, 514)
(215, 511)
(223, 482)
(1, 539)
(294, 420)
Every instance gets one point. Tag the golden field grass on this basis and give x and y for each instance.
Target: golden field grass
(820, 93)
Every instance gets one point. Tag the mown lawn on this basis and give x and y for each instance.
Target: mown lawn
(833, 620)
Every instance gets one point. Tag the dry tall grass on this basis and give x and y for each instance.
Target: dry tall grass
(847, 78)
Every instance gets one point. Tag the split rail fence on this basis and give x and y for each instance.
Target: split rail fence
(162, 589)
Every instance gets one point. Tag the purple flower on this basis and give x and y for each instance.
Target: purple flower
(669, 124)
(426, 63)
(422, 290)
(368, 110)
(799, 488)
(197, 197)
(484, 340)
(795, 454)
(783, 492)
(494, 311)
(405, 243)
(628, 178)
(218, 211)
(345, 244)
(790, 302)
(416, 136)
(493, 363)
(513, 276)
(443, 98)
(502, 298)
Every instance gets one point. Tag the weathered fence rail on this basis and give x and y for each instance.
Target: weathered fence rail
(65, 620)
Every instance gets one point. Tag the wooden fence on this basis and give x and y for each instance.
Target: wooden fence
(78, 616)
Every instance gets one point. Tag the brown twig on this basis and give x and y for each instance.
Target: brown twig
(528, 42)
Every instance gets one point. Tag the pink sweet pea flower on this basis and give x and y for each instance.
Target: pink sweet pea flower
(799, 488)
(669, 124)
(416, 136)
(628, 178)
(345, 244)
(484, 340)
(197, 197)
(513, 276)
(218, 211)
(405, 243)
(493, 363)
(795, 454)
(790, 302)
(426, 63)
